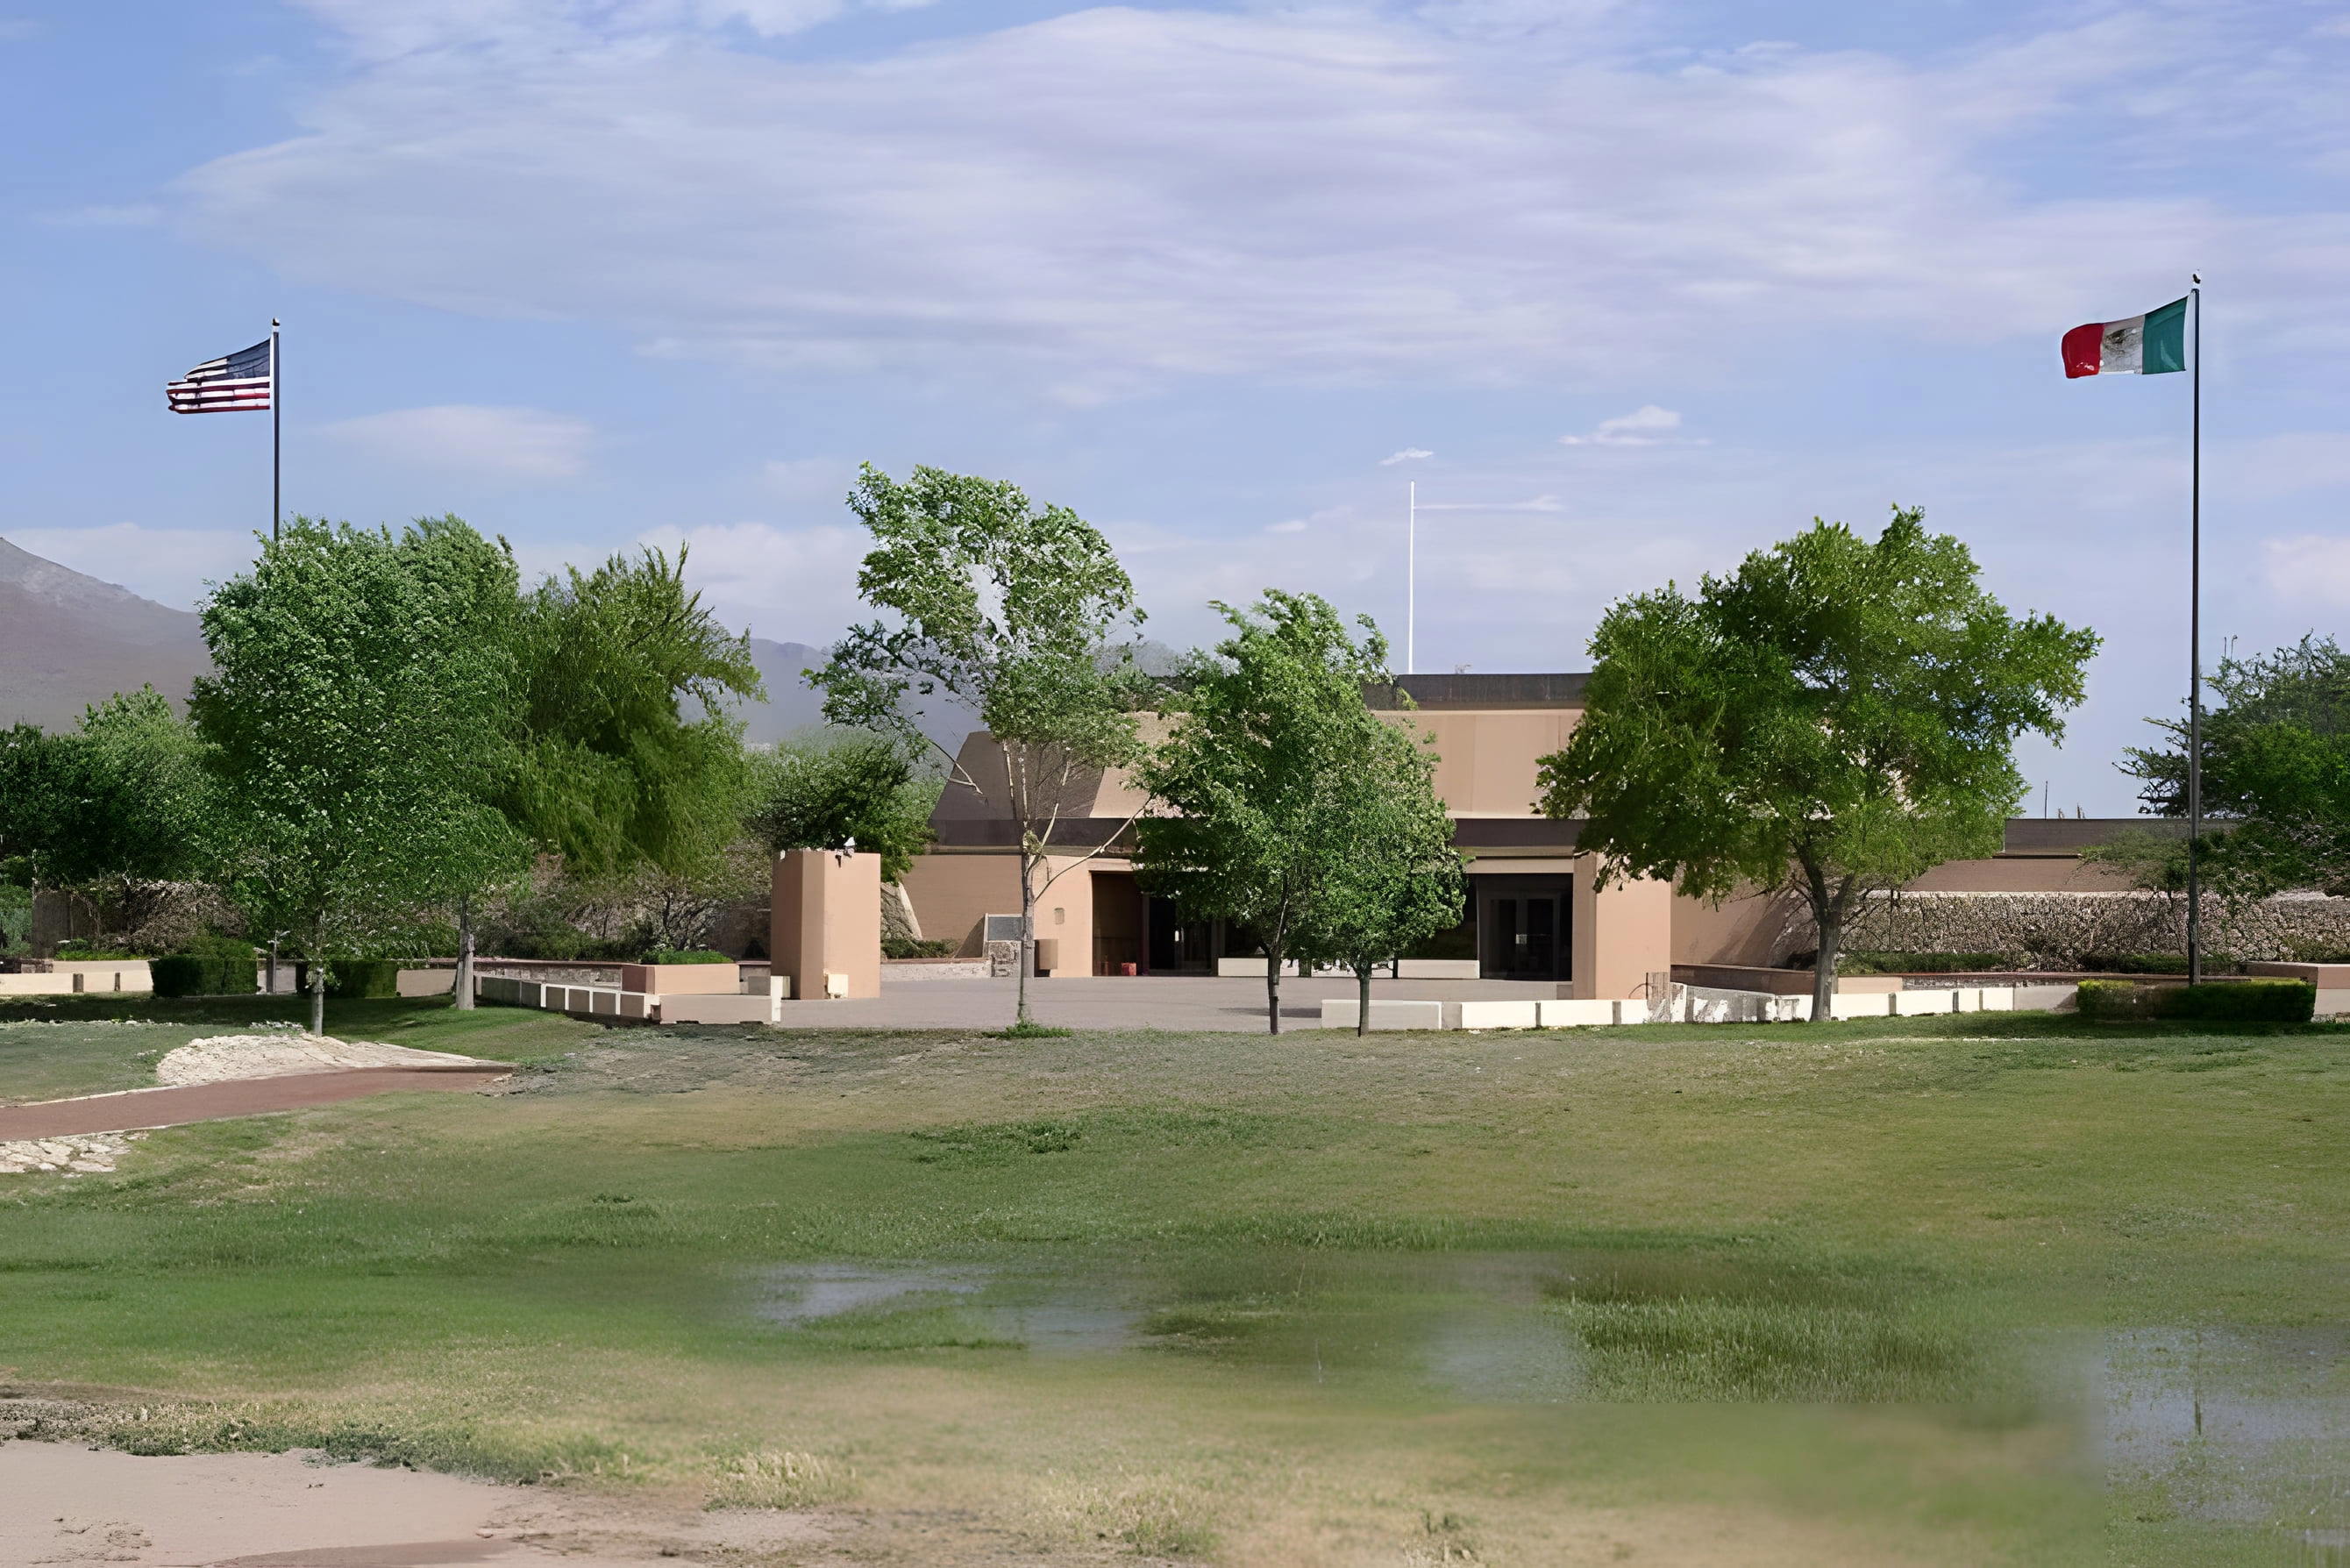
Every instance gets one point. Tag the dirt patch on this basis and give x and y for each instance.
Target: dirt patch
(223, 1058)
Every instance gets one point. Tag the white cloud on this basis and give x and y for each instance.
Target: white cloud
(790, 584)
(467, 441)
(1647, 425)
(2309, 568)
(1409, 455)
(1115, 196)
(1537, 504)
(169, 565)
(1293, 525)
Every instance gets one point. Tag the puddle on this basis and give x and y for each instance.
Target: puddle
(1478, 1327)
(811, 1292)
(2248, 1427)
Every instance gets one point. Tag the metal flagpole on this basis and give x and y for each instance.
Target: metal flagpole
(2195, 636)
(277, 487)
(1411, 574)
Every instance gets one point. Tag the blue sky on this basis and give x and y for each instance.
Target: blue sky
(1646, 285)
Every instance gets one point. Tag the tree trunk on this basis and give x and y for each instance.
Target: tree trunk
(1362, 1000)
(465, 952)
(1272, 989)
(317, 997)
(1824, 966)
(1028, 930)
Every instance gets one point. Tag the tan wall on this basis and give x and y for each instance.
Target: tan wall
(1738, 931)
(1622, 934)
(952, 893)
(1486, 761)
(827, 920)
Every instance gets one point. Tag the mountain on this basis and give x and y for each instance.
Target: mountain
(68, 640)
(792, 706)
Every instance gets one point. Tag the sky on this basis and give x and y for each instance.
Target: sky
(1626, 289)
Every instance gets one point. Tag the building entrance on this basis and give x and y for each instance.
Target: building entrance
(1521, 928)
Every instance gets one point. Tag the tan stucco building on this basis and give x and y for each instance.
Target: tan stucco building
(1535, 911)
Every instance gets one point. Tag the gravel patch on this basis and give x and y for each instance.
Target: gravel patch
(80, 1152)
(220, 1058)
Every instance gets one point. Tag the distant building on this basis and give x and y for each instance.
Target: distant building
(1533, 911)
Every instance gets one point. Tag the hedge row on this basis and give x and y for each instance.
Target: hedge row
(2228, 1002)
(686, 955)
(204, 974)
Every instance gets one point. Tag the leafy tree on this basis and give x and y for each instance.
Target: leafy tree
(1292, 808)
(362, 683)
(1395, 878)
(821, 793)
(115, 804)
(615, 774)
(1008, 610)
(1835, 717)
(2276, 770)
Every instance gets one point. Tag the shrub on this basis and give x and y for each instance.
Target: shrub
(916, 947)
(685, 955)
(360, 979)
(1869, 962)
(2228, 1002)
(210, 965)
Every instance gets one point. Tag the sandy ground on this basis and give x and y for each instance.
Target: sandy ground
(65, 1505)
(220, 1058)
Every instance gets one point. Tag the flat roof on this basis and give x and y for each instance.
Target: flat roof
(1529, 690)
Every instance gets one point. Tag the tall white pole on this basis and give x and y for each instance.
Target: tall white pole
(1410, 575)
(276, 484)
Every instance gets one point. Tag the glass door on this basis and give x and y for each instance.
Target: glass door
(1522, 932)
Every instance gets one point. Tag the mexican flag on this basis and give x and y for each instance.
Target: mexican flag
(2147, 345)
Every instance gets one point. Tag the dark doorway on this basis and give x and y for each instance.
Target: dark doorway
(1521, 928)
(1179, 946)
(1120, 916)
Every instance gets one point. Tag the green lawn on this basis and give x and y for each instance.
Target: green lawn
(1864, 1294)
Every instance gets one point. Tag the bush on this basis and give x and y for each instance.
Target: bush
(1866, 963)
(684, 955)
(916, 947)
(211, 965)
(2135, 963)
(350, 980)
(2228, 1002)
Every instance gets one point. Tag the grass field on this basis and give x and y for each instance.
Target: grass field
(1990, 1288)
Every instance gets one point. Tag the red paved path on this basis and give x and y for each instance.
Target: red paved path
(241, 1097)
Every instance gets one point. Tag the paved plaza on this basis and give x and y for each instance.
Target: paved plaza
(1184, 1002)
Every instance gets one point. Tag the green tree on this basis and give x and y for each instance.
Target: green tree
(1009, 611)
(2276, 773)
(822, 792)
(1836, 717)
(1393, 878)
(628, 759)
(112, 805)
(1291, 808)
(352, 725)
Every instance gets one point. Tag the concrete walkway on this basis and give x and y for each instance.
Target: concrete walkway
(140, 1108)
(1185, 1002)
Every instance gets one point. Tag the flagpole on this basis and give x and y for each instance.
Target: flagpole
(1411, 574)
(2195, 635)
(276, 486)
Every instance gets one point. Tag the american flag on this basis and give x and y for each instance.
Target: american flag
(234, 381)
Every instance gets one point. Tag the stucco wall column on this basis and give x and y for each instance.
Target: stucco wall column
(827, 919)
(1621, 935)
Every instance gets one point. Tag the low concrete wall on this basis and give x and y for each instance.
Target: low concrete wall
(682, 978)
(428, 982)
(79, 976)
(1345, 1013)
(1778, 981)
